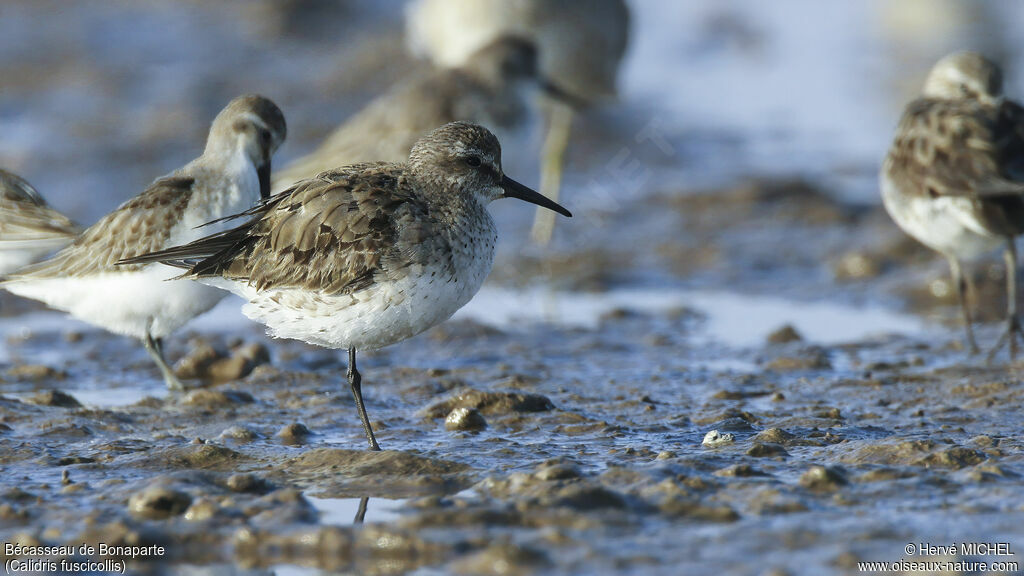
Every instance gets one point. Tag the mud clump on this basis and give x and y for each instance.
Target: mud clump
(811, 358)
(502, 558)
(239, 433)
(767, 450)
(248, 483)
(34, 373)
(465, 419)
(206, 398)
(294, 434)
(339, 472)
(201, 456)
(158, 502)
(784, 335)
(207, 363)
(491, 403)
(922, 453)
(54, 398)
(823, 479)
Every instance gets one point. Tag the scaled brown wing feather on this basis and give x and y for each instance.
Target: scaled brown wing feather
(33, 222)
(953, 149)
(333, 233)
(189, 255)
(25, 215)
(140, 225)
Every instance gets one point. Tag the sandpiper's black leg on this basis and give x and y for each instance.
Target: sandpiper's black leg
(1013, 328)
(155, 347)
(355, 381)
(361, 512)
(961, 291)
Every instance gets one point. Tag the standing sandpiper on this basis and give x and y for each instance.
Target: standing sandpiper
(29, 228)
(954, 177)
(368, 255)
(232, 174)
(579, 49)
(491, 89)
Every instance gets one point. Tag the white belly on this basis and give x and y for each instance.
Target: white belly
(127, 303)
(946, 225)
(382, 314)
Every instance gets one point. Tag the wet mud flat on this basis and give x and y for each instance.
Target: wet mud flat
(633, 435)
(632, 446)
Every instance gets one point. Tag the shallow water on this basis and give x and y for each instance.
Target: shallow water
(734, 320)
(596, 367)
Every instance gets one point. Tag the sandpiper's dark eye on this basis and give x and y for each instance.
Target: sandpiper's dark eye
(265, 136)
(473, 161)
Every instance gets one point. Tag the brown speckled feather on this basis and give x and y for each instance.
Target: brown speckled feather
(950, 148)
(335, 233)
(962, 149)
(140, 225)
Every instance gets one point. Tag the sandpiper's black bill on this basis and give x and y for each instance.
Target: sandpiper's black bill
(264, 174)
(514, 189)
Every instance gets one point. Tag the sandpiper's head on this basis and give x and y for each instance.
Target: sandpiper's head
(965, 76)
(253, 124)
(466, 158)
(507, 60)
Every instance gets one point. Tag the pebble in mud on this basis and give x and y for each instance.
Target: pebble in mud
(715, 438)
(54, 398)
(248, 483)
(767, 450)
(784, 335)
(294, 433)
(464, 419)
(783, 438)
(239, 433)
(557, 469)
(823, 479)
(158, 502)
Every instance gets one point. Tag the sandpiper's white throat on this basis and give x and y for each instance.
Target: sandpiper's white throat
(29, 228)
(232, 174)
(368, 255)
(954, 176)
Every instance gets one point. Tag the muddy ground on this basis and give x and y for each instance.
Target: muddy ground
(539, 447)
(729, 362)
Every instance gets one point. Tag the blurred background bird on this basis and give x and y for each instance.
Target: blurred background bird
(579, 49)
(491, 88)
(29, 228)
(954, 176)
